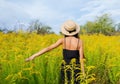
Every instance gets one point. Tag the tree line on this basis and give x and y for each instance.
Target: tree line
(34, 26)
(102, 24)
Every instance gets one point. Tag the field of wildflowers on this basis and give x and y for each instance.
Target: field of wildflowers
(102, 59)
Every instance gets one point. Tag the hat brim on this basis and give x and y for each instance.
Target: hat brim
(65, 32)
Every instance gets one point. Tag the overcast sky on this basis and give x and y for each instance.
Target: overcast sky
(55, 12)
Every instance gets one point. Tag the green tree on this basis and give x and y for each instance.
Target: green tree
(2, 29)
(105, 25)
(118, 27)
(39, 28)
(102, 24)
(44, 30)
(89, 27)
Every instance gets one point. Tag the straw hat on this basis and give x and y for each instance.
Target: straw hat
(70, 28)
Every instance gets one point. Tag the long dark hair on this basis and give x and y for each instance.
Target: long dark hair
(76, 36)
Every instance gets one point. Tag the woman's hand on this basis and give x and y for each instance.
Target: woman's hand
(29, 59)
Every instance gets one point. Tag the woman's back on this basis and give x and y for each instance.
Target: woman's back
(71, 49)
(71, 43)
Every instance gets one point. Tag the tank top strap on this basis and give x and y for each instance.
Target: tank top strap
(65, 43)
(77, 44)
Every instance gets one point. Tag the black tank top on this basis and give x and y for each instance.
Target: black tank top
(70, 54)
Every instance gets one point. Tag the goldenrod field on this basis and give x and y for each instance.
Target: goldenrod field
(102, 59)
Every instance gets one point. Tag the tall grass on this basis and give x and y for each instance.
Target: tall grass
(102, 59)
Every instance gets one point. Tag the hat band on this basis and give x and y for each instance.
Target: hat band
(70, 31)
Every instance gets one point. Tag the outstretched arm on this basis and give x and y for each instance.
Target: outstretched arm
(81, 51)
(59, 42)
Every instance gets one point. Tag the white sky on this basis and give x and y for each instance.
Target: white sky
(55, 12)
